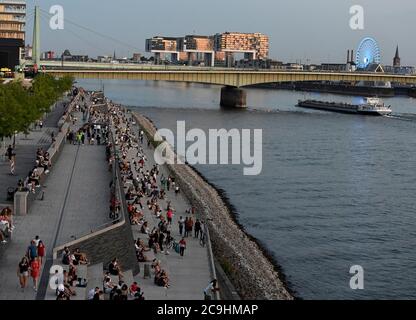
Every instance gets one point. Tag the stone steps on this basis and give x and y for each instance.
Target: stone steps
(128, 279)
(82, 272)
(95, 277)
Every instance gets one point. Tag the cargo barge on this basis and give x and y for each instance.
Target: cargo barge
(372, 106)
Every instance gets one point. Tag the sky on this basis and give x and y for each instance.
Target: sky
(312, 31)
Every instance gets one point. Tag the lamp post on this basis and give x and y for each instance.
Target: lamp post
(14, 139)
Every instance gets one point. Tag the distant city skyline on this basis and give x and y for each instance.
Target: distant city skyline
(307, 31)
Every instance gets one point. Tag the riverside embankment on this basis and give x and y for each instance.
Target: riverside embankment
(252, 273)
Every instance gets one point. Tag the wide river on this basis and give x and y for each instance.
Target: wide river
(335, 191)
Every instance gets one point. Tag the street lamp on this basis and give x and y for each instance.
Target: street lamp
(14, 139)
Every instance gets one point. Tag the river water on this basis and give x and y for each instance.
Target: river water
(335, 191)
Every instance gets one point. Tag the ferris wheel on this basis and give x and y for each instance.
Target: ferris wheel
(368, 52)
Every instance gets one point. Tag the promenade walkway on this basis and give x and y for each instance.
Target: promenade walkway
(26, 147)
(76, 201)
(189, 275)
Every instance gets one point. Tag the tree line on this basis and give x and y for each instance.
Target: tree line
(21, 106)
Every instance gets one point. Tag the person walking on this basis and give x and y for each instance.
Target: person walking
(34, 272)
(182, 247)
(13, 165)
(9, 152)
(186, 225)
(41, 251)
(23, 272)
(211, 289)
(181, 224)
(37, 241)
(32, 251)
(161, 241)
(169, 216)
(163, 182)
(197, 228)
(189, 226)
(69, 137)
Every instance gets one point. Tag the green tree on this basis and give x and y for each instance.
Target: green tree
(20, 107)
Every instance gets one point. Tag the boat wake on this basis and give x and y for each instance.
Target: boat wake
(402, 117)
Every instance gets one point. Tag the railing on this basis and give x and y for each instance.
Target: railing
(211, 258)
(71, 65)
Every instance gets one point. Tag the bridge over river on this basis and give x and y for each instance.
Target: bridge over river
(232, 79)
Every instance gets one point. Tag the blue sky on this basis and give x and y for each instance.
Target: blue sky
(317, 30)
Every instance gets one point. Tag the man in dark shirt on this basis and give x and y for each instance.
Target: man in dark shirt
(32, 251)
(197, 228)
(9, 152)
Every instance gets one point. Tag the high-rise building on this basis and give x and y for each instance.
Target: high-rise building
(12, 32)
(198, 43)
(162, 44)
(253, 45)
(12, 19)
(209, 50)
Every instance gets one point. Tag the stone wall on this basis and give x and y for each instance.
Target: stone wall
(251, 272)
(107, 244)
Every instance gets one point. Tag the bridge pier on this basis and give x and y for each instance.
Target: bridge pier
(232, 97)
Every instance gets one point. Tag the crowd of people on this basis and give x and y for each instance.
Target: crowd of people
(33, 179)
(142, 191)
(31, 263)
(90, 133)
(70, 278)
(117, 290)
(145, 188)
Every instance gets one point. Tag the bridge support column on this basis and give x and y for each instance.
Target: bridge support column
(232, 97)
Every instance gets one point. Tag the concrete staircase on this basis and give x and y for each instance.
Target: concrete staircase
(94, 275)
(83, 272)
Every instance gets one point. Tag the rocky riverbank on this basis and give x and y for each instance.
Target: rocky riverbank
(251, 270)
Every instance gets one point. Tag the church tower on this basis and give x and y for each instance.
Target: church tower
(396, 60)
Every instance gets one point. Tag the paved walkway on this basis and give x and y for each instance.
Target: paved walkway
(26, 147)
(76, 201)
(189, 275)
